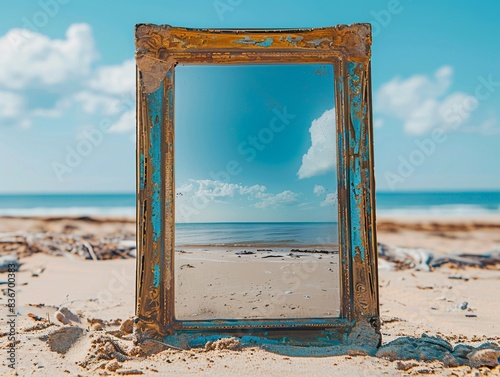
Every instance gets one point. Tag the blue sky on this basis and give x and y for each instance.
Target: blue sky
(70, 77)
(258, 139)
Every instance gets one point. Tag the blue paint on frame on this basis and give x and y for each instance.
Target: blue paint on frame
(355, 190)
(249, 41)
(156, 276)
(155, 101)
(141, 171)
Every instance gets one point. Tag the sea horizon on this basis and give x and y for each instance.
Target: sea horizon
(397, 204)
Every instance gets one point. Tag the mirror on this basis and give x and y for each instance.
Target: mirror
(256, 232)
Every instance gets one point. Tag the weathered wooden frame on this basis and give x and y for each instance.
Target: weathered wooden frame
(159, 50)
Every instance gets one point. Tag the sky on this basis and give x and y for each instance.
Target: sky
(67, 84)
(255, 142)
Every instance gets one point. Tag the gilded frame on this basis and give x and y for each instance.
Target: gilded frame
(159, 48)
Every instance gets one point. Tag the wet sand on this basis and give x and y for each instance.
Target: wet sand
(254, 283)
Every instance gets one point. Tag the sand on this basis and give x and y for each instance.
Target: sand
(270, 283)
(102, 294)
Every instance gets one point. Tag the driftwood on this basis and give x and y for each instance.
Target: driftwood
(122, 245)
(426, 260)
(87, 246)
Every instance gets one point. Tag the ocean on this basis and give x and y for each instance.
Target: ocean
(453, 204)
(388, 203)
(257, 234)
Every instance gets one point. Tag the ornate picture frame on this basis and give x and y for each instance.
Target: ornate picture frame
(159, 48)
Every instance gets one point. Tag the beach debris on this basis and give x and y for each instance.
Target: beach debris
(38, 326)
(457, 277)
(128, 372)
(486, 357)
(62, 339)
(402, 257)
(37, 318)
(425, 287)
(232, 344)
(113, 366)
(406, 365)
(127, 327)
(186, 266)
(314, 251)
(37, 271)
(9, 262)
(103, 347)
(430, 348)
(87, 246)
(425, 260)
(463, 305)
(246, 252)
(273, 256)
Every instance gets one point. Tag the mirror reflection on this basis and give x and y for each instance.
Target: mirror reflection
(256, 230)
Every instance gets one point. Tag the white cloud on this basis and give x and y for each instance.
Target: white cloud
(275, 200)
(44, 77)
(115, 79)
(422, 102)
(93, 103)
(125, 123)
(319, 190)
(214, 189)
(38, 59)
(210, 190)
(11, 105)
(330, 200)
(321, 156)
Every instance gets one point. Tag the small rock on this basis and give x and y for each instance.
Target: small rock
(127, 327)
(113, 366)
(148, 347)
(486, 357)
(406, 365)
(232, 344)
(462, 350)
(125, 372)
(66, 316)
(9, 262)
(97, 326)
(357, 352)
(463, 305)
(61, 340)
(450, 361)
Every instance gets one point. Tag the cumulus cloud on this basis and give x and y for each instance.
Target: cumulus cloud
(319, 190)
(38, 59)
(321, 156)
(330, 200)
(96, 103)
(125, 123)
(45, 77)
(422, 102)
(276, 200)
(115, 79)
(11, 105)
(211, 190)
(214, 189)
(12, 110)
